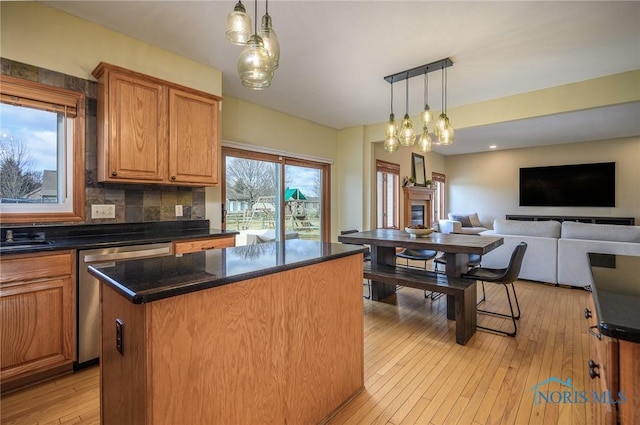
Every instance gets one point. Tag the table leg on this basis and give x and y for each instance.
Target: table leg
(382, 255)
(462, 308)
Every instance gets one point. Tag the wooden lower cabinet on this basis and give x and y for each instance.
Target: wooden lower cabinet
(283, 348)
(614, 369)
(196, 245)
(37, 312)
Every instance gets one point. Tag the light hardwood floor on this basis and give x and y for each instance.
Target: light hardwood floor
(415, 373)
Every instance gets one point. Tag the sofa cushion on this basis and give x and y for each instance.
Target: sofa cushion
(600, 232)
(463, 219)
(473, 219)
(543, 229)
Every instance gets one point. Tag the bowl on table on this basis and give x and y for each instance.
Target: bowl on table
(418, 233)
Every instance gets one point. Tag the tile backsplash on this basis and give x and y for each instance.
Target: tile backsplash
(134, 202)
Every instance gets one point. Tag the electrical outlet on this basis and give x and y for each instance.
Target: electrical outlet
(103, 211)
(178, 210)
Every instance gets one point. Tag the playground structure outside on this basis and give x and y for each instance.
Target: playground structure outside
(262, 215)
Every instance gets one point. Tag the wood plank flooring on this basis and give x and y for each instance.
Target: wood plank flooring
(415, 373)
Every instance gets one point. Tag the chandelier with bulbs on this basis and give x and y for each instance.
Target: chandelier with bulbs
(261, 54)
(405, 135)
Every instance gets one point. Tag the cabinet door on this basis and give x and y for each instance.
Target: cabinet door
(193, 138)
(37, 314)
(137, 129)
(38, 328)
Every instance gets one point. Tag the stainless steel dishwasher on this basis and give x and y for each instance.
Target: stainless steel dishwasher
(89, 292)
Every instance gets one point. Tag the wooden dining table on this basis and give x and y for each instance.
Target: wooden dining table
(461, 293)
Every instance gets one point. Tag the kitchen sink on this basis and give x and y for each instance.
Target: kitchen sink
(18, 245)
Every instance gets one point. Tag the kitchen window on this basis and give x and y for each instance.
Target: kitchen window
(41, 152)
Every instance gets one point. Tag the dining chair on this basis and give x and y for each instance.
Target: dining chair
(420, 255)
(366, 257)
(506, 277)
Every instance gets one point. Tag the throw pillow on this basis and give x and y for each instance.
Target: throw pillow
(463, 219)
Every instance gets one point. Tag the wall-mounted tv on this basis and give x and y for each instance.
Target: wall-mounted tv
(581, 185)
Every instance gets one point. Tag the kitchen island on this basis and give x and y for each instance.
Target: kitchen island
(267, 333)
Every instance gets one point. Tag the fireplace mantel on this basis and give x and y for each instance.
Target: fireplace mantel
(420, 196)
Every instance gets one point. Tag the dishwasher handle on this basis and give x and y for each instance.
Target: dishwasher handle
(127, 255)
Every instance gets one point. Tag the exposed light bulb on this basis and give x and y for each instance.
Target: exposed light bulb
(392, 128)
(424, 141)
(391, 144)
(407, 136)
(427, 115)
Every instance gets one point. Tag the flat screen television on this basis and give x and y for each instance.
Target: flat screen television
(581, 185)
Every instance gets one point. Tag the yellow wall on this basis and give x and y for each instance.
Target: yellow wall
(487, 183)
(37, 34)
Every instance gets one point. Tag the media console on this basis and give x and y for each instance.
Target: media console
(625, 221)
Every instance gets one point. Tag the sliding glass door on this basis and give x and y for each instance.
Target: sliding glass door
(271, 197)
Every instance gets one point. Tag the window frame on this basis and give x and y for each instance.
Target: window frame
(282, 161)
(388, 169)
(42, 96)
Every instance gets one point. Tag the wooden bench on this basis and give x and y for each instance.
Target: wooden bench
(461, 293)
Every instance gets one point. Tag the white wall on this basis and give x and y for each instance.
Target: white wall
(487, 183)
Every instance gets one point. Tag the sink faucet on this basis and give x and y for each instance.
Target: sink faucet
(9, 235)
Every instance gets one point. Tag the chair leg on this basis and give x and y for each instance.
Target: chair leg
(484, 295)
(368, 284)
(512, 316)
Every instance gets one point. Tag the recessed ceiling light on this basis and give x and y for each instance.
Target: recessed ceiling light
(493, 146)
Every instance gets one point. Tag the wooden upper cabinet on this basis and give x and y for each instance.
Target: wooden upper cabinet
(192, 126)
(154, 131)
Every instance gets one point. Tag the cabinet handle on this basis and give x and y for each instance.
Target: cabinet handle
(592, 369)
(594, 333)
(587, 313)
(114, 173)
(173, 178)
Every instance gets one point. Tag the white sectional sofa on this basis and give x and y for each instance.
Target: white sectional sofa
(580, 238)
(557, 253)
(541, 259)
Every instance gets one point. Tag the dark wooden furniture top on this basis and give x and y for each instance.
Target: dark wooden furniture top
(625, 221)
(616, 295)
(444, 242)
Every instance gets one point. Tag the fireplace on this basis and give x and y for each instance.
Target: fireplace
(417, 214)
(417, 205)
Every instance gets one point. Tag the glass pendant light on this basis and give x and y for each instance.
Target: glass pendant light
(424, 141)
(269, 38)
(391, 142)
(427, 113)
(255, 65)
(238, 25)
(407, 136)
(444, 129)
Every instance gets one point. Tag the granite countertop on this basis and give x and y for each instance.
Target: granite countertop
(147, 280)
(616, 295)
(106, 235)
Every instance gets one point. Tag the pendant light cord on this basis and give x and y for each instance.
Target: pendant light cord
(392, 97)
(426, 87)
(407, 98)
(255, 21)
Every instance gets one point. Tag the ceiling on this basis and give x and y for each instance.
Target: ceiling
(334, 55)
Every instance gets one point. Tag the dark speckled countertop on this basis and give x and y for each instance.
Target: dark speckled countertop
(152, 279)
(90, 236)
(616, 295)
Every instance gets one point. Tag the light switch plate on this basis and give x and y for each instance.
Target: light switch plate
(178, 210)
(100, 211)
